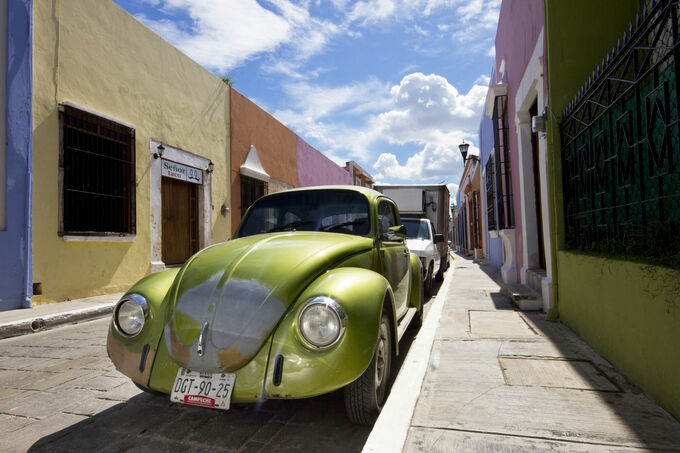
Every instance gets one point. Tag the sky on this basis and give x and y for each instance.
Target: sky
(395, 85)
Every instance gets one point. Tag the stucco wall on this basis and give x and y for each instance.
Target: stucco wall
(3, 107)
(94, 54)
(315, 169)
(276, 147)
(15, 242)
(629, 313)
(515, 44)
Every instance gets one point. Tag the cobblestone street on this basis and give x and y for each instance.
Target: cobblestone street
(60, 392)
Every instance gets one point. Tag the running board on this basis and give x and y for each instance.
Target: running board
(405, 321)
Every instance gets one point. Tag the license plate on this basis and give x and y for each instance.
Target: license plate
(203, 389)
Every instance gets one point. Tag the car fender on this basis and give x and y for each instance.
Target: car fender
(309, 372)
(133, 356)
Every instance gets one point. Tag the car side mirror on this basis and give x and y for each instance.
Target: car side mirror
(395, 233)
(438, 238)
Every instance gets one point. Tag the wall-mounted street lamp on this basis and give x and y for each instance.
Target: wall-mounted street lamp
(463, 147)
(159, 151)
(210, 168)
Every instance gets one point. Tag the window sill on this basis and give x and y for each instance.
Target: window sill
(74, 238)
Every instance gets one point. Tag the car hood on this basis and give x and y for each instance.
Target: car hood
(418, 245)
(237, 291)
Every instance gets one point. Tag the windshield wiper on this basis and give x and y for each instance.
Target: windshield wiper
(338, 225)
(290, 225)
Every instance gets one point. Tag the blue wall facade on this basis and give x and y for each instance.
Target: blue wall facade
(486, 148)
(16, 286)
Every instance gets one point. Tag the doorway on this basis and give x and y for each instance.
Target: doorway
(533, 111)
(180, 220)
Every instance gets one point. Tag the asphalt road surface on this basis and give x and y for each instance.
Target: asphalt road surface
(59, 392)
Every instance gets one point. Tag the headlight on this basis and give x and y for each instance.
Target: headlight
(130, 314)
(321, 322)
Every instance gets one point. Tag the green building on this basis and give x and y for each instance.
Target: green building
(614, 167)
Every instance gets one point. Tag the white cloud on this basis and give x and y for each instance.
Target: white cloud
(483, 80)
(438, 162)
(327, 115)
(428, 106)
(371, 11)
(424, 110)
(453, 189)
(224, 34)
(320, 101)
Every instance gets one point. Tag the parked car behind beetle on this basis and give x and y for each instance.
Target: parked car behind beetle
(422, 240)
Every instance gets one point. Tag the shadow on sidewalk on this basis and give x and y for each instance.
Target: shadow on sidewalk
(645, 421)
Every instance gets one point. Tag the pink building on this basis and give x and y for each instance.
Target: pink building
(315, 169)
(519, 93)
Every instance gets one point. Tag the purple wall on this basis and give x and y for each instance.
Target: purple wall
(519, 25)
(486, 148)
(16, 268)
(315, 169)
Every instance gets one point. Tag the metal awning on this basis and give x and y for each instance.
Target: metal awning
(252, 166)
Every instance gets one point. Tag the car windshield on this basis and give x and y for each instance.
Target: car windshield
(416, 229)
(336, 211)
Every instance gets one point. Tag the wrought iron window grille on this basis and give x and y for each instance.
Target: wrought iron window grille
(490, 180)
(97, 173)
(251, 190)
(621, 145)
(503, 173)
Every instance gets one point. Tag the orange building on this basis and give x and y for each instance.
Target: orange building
(468, 217)
(263, 155)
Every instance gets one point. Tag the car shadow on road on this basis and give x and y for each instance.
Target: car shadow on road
(149, 422)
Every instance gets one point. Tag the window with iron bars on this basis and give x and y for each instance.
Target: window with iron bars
(97, 165)
(251, 190)
(475, 220)
(490, 194)
(506, 212)
(620, 153)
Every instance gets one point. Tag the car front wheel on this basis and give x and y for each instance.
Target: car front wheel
(365, 397)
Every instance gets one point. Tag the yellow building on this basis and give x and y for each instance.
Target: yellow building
(126, 133)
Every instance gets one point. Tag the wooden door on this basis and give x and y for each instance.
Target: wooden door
(180, 220)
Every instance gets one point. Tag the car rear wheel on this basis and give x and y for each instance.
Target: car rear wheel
(365, 397)
(442, 268)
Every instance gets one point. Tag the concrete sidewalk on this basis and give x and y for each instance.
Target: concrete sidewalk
(483, 376)
(28, 320)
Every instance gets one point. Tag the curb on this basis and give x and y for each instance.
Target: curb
(391, 429)
(40, 323)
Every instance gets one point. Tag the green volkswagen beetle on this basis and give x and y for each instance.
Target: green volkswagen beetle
(311, 295)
